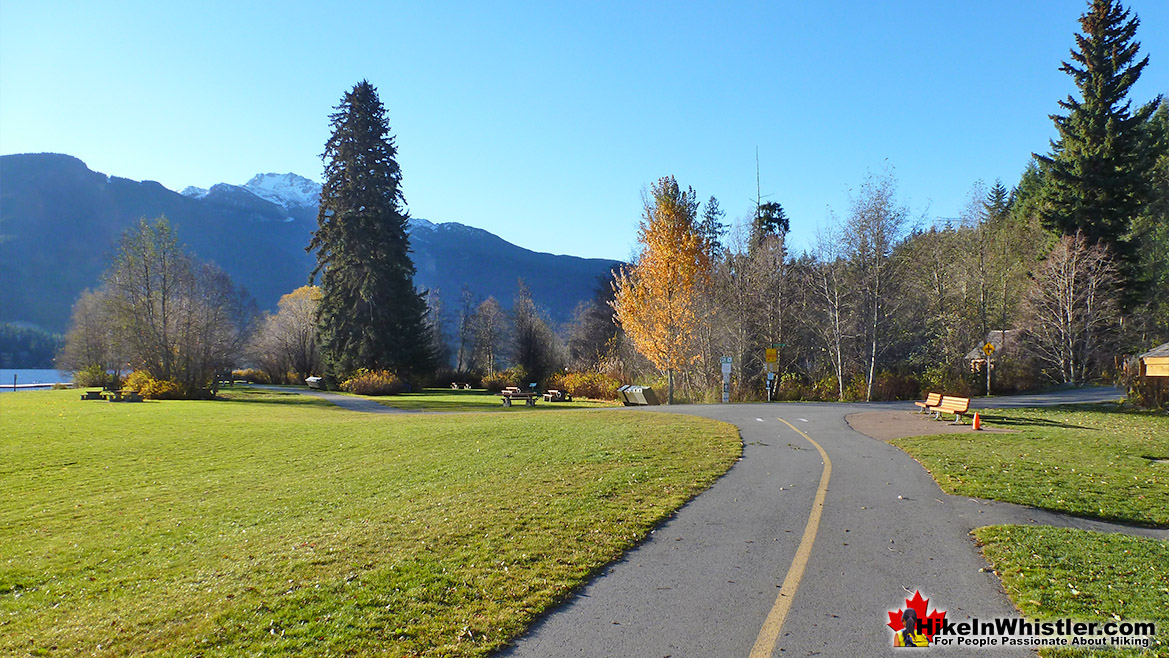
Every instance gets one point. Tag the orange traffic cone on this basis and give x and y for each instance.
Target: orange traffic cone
(977, 421)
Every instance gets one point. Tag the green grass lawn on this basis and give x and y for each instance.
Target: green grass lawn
(1055, 573)
(446, 399)
(1095, 462)
(278, 524)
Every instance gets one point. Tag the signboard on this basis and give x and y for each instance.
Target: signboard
(772, 355)
(988, 349)
(726, 364)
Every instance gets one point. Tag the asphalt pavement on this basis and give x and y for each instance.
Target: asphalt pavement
(715, 578)
(705, 582)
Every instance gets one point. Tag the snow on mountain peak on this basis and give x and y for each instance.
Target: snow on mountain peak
(194, 192)
(414, 223)
(287, 190)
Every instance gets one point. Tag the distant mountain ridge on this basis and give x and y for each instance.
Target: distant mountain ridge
(285, 190)
(60, 222)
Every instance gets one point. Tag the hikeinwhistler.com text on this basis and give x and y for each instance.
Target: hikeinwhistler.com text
(1018, 632)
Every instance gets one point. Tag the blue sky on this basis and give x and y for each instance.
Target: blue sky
(543, 122)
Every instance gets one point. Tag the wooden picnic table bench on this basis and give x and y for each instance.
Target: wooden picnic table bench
(92, 395)
(931, 400)
(554, 395)
(514, 393)
(951, 404)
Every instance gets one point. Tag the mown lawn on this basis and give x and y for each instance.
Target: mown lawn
(1098, 462)
(1054, 573)
(276, 524)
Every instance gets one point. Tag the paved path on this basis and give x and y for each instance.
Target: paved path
(709, 581)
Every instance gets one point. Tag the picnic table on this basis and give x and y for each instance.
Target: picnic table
(514, 393)
(124, 395)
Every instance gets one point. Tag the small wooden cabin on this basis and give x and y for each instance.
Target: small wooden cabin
(1155, 362)
(1005, 344)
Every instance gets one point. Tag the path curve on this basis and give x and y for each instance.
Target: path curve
(704, 582)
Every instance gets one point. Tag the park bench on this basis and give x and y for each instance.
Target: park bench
(931, 400)
(553, 395)
(952, 405)
(514, 393)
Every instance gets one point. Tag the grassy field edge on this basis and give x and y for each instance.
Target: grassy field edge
(274, 523)
(1052, 573)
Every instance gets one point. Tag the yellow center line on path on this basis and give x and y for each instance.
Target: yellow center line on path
(769, 634)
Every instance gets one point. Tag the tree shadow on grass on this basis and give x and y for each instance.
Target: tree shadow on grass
(285, 398)
(493, 406)
(1022, 423)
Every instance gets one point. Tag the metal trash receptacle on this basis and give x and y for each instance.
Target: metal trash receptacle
(621, 396)
(648, 394)
(636, 396)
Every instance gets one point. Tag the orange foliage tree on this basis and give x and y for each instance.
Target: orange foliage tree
(656, 299)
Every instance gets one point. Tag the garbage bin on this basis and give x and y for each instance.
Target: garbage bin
(650, 397)
(636, 396)
(622, 397)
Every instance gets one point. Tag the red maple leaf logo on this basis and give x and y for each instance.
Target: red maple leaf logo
(930, 623)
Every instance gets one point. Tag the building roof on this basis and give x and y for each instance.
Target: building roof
(1003, 341)
(1160, 350)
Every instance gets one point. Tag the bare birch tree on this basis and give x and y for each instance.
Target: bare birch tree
(874, 227)
(1073, 308)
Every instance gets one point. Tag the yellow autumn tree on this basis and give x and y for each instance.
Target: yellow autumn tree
(656, 299)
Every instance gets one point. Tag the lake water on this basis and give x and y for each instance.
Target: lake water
(25, 376)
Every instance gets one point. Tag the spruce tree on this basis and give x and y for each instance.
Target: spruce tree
(370, 314)
(1098, 173)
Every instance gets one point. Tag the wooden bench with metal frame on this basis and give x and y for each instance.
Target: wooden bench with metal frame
(931, 400)
(952, 405)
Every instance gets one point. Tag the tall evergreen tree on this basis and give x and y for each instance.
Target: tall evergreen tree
(997, 203)
(370, 315)
(1098, 173)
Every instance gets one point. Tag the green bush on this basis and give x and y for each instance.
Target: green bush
(373, 382)
(162, 389)
(514, 376)
(892, 386)
(591, 384)
(826, 388)
(166, 389)
(252, 375)
(96, 375)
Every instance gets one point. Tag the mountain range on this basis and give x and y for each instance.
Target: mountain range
(60, 223)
